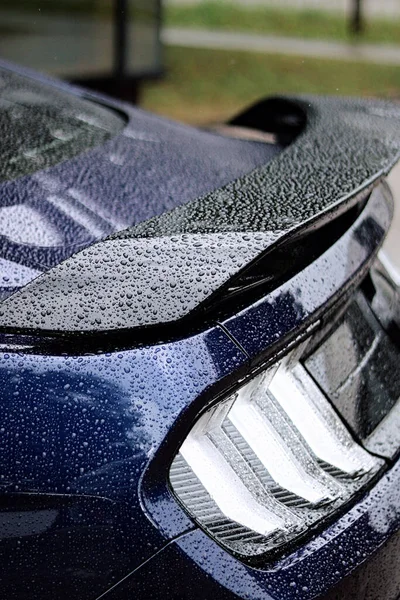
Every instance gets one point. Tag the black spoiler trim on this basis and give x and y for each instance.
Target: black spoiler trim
(161, 271)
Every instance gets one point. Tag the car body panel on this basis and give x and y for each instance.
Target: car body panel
(91, 415)
(138, 172)
(78, 431)
(194, 566)
(290, 308)
(269, 204)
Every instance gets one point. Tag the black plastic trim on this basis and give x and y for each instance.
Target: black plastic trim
(162, 271)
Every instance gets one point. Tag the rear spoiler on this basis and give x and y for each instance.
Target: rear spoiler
(171, 267)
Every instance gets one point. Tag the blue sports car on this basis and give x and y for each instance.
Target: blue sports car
(200, 350)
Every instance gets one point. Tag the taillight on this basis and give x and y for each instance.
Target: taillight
(262, 466)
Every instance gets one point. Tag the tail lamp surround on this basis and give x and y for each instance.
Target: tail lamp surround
(262, 466)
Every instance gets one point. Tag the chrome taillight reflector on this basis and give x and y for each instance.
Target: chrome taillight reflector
(260, 467)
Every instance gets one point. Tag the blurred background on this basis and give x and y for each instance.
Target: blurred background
(201, 61)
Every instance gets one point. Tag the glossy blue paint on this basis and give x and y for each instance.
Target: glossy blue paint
(299, 301)
(62, 546)
(196, 567)
(86, 440)
(140, 172)
(85, 427)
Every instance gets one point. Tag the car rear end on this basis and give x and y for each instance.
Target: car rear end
(279, 519)
(204, 402)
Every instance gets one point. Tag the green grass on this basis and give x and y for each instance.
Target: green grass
(202, 86)
(305, 23)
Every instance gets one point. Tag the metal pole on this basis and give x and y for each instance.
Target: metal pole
(356, 20)
(120, 19)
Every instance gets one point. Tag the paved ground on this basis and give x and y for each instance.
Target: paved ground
(379, 8)
(206, 38)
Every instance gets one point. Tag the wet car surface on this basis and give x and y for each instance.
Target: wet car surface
(199, 391)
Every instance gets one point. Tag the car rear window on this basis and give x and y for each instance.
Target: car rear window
(57, 198)
(42, 126)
